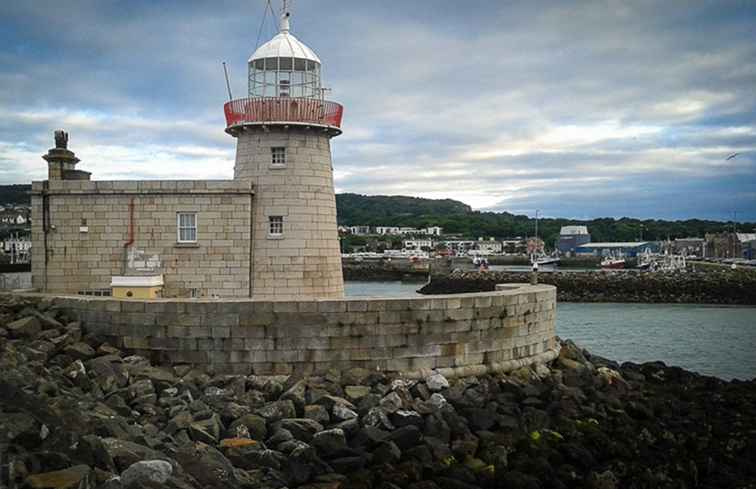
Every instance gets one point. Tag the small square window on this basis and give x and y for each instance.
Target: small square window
(187, 227)
(275, 225)
(278, 156)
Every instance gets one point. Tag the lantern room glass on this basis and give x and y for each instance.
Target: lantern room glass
(284, 77)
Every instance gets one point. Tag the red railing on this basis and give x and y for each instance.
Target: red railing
(255, 110)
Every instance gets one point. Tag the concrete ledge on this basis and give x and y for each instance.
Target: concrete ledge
(458, 335)
(141, 187)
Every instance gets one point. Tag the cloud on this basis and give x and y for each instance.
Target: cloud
(577, 109)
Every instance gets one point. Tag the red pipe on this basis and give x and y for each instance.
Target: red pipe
(131, 225)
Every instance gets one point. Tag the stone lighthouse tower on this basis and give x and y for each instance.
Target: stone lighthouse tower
(283, 131)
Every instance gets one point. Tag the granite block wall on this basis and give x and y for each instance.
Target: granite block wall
(88, 227)
(457, 334)
(305, 260)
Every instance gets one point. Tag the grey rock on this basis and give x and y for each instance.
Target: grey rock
(296, 394)
(329, 442)
(207, 431)
(356, 392)
(79, 351)
(386, 453)
(404, 417)
(255, 425)
(126, 453)
(27, 327)
(391, 402)
(342, 413)
(301, 428)
(277, 410)
(141, 388)
(377, 418)
(318, 413)
(208, 466)
(147, 473)
(436, 382)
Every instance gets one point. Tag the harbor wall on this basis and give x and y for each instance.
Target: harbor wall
(704, 286)
(467, 334)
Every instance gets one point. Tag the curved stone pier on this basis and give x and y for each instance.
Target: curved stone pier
(461, 334)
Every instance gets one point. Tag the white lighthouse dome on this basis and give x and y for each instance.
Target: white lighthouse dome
(284, 67)
(285, 45)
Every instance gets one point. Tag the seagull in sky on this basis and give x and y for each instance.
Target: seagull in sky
(731, 156)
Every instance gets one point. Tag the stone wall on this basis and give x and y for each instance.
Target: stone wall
(78, 260)
(17, 280)
(305, 261)
(466, 334)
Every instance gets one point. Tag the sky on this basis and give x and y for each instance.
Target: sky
(575, 109)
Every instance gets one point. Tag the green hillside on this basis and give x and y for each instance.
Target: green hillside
(458, 218)
(15, 194)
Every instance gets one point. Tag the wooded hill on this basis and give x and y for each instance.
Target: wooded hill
(458, 218)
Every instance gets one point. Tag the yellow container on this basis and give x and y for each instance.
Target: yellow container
(139, 287)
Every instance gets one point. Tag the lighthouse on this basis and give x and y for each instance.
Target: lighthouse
(283, 130)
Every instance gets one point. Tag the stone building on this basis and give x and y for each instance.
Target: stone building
(268, 233)
(729, 245)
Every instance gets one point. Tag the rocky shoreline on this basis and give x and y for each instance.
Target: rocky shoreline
(76, 412)
(717, 286)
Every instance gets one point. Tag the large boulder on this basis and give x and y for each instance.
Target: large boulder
(329, 442)
(126, 453)
(255, 425)
(76, 477)
(79, 351)
(27, 327)
(206, 464)
(147, 473)
(303, 429)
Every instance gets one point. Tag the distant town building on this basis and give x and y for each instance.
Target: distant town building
(627, 249)
(514, 246)
(418, 244)
(360, 230)
(489, 246)
(730, 245)
(535, 246)
(387, 230)
(14, 217)
(689, 246)
(393, 231)
(570, 237)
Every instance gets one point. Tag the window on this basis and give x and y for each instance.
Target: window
(187, 227)
(278, 155)
(275, 225)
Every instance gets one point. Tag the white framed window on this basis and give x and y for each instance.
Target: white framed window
(275, 225)
(278, 156)
(186, 227)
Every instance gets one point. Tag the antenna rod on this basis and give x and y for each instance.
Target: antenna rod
(228, 84)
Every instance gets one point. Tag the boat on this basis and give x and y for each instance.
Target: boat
(544, 260)
(613, 263)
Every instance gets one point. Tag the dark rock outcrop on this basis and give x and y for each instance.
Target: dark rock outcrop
(73, 418)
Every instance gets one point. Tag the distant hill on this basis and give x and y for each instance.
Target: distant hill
(15, 194)
(459, 218)
(376, 210)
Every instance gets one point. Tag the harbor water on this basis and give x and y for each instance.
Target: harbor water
(711, 340)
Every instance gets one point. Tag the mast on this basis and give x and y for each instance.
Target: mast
(285, 14)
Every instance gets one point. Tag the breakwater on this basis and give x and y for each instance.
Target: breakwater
(397, 269)
(76, 411)
(456, 334)
(717, 286)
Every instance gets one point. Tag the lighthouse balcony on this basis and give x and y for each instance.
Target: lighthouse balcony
(283, 111)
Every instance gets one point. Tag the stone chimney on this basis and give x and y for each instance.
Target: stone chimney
(61, 162)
